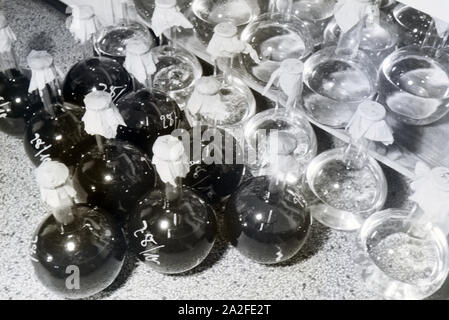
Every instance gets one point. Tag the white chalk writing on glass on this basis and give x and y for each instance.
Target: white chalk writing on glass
(151, 253)
(42, 146)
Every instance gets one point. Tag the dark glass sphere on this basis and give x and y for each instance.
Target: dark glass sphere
(173, 237)
(116, 178)
(59, 137)
(79, 259)
(265, 227)
(147, 115)
(215, 181)
(96, 73)
(17, 106)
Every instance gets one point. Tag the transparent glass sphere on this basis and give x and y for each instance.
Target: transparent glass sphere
(275, 37)
(177, 72)
(267, 226)
(294, 133)
(335, 85)
(414, 85)
(413, 24)
(378, 40)
(173, 237)
(209, 13)
(239, 105)
(81, 258)
(347, 194)
(110, 42)
(147, 115)
(397, 264)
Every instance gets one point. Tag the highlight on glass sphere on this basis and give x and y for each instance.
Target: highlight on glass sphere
(56, 132)
(173, 229)
(266, 220)
(79, 250)
(114, 173)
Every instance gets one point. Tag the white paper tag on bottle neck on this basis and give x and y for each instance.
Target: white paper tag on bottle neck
(139, 61)
(83, 23)
(7, 39)
(349, 12)
(42, 70)
(166, 17)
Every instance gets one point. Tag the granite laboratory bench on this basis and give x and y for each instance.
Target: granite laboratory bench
(323, 269)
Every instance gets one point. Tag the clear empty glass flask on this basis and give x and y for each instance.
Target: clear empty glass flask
(111, 41)
(209, 13)
(177, 72)
(414, 82)
(294, 135)
(348, 182)
(338, 78)
(275, 37)
(413, 24)
(398, 264)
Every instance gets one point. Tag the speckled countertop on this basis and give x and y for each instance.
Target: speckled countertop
(322, 270)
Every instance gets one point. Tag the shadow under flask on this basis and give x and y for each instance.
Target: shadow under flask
(267, 220)
(110, 42)
(56, 132)
(414, 80)
(172, 230)
(92, 73)
(148, 113)
(349, 184)
(78, 250)
(338, 78)
(114, 173)
(275, 36)
(17, 105)
(403, 253)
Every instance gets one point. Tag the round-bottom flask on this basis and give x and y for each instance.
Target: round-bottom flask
(81, 258)
(265, 223)
(348, 193)
(414, 85)
(177, 71)
(398, 264)
(413, 24)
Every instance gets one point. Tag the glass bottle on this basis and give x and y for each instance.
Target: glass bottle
(110, 42)
(293, 131)
(17, 105)
(403, 253)
(147, 113)
(114, 173)
(78, 250)
(217, 165)
(349, 184)
(93, 73)
(176, 69)
(414, 81)
(275, 36)
(413, 24)
(210, 13)
(267, 220)
(338, 78)
(380, 37)
(173, 229)
(56, 132)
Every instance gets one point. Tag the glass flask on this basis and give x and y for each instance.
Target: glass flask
(147, 113)
(414, 82)
(413, 24)
(114, 173)
(338, 78)
(173, 230)
(79, 250)
(214, 180)
(349, 184)
(209, 13)
(93, 73)
(380, 36)
(56, 132)
(17, 105)
(275, 37)
(267, 221)
(403, 253)
(177, 72)
(110, 42)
